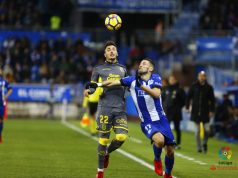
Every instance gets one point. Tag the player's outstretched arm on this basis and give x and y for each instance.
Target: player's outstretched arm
(9, 92)
(154, 92)
(90, 88)
(108, 83)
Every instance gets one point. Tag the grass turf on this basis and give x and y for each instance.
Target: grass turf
(47, 149)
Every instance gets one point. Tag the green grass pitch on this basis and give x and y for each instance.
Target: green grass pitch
(47, 149)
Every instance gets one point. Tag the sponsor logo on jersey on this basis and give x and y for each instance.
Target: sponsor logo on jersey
(114, 77)
(157, 83)
(107, 69)
(121, 121)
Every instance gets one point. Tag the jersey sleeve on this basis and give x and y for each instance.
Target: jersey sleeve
(95, 75)
(126, 81)
(126, 74)
(157, 82)
(94, 78)
(7, 85)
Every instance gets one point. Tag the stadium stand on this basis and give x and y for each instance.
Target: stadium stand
(37, 55)
(34, 14)
(48, 49)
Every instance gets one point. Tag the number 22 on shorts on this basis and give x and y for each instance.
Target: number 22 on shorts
(103, 119)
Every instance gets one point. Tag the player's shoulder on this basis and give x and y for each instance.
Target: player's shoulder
(98, 66)
(130, 77)
(127, 80)
(155, 77)
(121, 65)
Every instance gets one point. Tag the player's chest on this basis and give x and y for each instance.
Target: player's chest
(112, 73)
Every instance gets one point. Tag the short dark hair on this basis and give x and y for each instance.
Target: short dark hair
(109, 43)
(150, 61)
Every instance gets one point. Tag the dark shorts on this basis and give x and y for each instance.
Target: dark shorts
(149, 129)
(92, 108)
(111, 118)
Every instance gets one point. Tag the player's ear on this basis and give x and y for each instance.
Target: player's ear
(151, 69)
(104, 54)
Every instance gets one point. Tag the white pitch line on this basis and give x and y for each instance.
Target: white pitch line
(177, 154)
(190, 159)
(77, 129)
(136, 140)
(124, 153)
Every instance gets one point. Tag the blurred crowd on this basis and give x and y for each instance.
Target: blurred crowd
(66, 61)
(220, 15)
(33, 14)
(58, 61)
(224, 122)
(226, 119)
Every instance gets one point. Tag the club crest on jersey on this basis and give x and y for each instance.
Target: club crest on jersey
(121, 69)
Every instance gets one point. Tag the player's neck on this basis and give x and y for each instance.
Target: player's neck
(112, 61)
(146, 76)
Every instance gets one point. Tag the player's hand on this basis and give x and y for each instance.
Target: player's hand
(86, 92)
(91, 85)
(138, 83)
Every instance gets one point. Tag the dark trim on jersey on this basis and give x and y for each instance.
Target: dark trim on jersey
(121, 65)
(111, 63)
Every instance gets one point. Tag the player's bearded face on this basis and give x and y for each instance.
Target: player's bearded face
(144, 67)
(111, 54)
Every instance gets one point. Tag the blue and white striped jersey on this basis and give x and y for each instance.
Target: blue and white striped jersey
(150, 109)
(4, 87)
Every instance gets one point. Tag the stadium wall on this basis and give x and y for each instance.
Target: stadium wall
(33, 109)
(38, 100)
